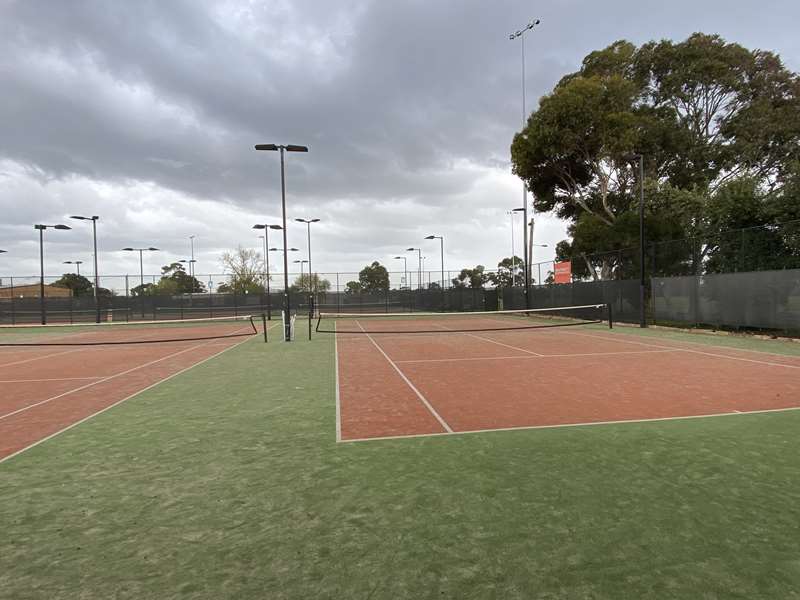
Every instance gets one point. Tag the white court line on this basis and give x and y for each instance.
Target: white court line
(626, 341)
(50, 379)
(577, 355)
(91, 416)
(338, 402)
(485, 339)
(27, 360)
(103, 380)
(424, 400)
(569, 425)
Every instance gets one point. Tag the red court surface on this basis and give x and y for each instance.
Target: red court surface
(396, 385)
(48, 389)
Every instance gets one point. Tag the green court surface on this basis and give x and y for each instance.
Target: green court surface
(226, 482)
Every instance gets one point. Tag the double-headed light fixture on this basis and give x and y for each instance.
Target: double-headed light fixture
(266, 227)
(284, 148)
(40, 228)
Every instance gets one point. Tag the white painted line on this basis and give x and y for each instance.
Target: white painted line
(750, 360)
(103, 380)
(577, 355)
(338, 402)
(424, 400)
(568, 425)
(485, 339)
(27, 360)
(159, 382)
(51, 379)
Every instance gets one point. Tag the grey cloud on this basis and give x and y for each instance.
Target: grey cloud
(408, 107)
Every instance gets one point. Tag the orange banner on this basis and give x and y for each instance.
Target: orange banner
(563, 272)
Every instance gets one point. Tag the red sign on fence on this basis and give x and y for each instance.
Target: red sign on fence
(563, 272)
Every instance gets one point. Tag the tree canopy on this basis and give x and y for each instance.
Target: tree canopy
(374, 278)
(245, 269)
(718, 126)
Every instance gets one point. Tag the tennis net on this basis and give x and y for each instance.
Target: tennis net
(122, 332)
(460, 322)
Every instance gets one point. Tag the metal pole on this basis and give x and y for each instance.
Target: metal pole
(41, 276)
(513, 253)
(266, 263)
(642, 311)
(287, 334)
(191, 264)
(444, 297)
(78, 267)
(419, 268)
(141, 280)
(309, 259)
(96, 274)
(526, 264)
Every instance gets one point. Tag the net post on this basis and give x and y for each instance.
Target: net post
(610, 316)
(264, 323)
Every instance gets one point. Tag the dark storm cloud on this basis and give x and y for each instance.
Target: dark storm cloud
(408, 108)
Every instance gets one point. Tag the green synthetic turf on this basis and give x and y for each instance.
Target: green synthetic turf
(226, 482)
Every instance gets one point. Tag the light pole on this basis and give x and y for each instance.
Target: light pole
(308, 222)
(441, 250)
(525, 265)
(405, 268)
(141, 269)
(642, 274)
(189, 262)
(192, 260)
(419, 267)
(520, 33)
(94, 220)
(539, 264)
(265, 237)
(41, 229)
(77, 264)
(301, 263)
(287, 334)
(513, 251)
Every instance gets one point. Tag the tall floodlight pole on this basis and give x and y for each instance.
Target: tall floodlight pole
(521, 35)
(41, 229)
(141, 251)
(441, 250)
(513, 251)
(191, 264)
(77, 264)
(405, 268)
(302, 277)
(419, 267)
(287, 334)
(266, 229)
(308, 222)
(94, 220)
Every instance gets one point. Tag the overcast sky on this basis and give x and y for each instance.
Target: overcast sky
(146, 114)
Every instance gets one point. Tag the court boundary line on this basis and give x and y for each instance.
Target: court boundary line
(419, 394)
(576, 355)
(102, 380)
(27, 360)
(47, 379)
(691, 350)
(110, 406)
(576, 425)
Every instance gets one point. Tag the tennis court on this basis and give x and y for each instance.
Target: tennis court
(417, 375)
(56, 376)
